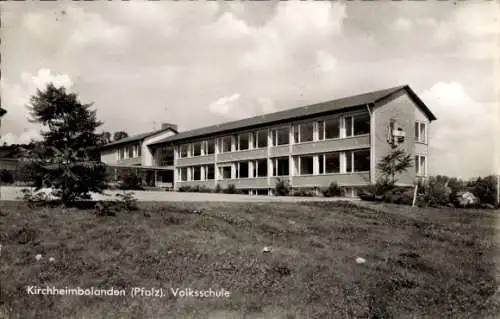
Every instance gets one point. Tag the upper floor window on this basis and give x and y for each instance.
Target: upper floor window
(281, 136)
(421, 132)
(329, 129)
(197, 149)
(259, 139)
(420, 165)
(225, 144)
(357, 125)
(243, 142)
(184, 150)
(303, 132)
(210, 146)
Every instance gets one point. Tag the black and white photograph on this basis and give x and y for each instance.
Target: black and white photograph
(250, 159)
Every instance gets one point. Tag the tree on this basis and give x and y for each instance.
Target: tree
(119, 135)
(104, 138)
(62, 160)
(394, 163)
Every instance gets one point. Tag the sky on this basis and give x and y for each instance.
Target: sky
(202, 63)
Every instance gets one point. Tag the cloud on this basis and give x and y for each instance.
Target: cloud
(403, 24)
(44, 77)
(225, 104)
(23, 138)
(325, 61)
(266, 105)
(462, 138)
(295, 28)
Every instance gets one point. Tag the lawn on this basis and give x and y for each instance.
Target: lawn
(419, 263)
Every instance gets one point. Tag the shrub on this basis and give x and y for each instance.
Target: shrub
(131, 181)
(377, 191)
(282, 187)
(399, 195)
(125, 201)
(231, 189)
(332, 190)
(301, 192)
(185, 188)
(436, 192)
(218, 189)
(6, 176)
(485, 190)
(128, 200)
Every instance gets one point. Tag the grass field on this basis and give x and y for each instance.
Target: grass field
(420, 263)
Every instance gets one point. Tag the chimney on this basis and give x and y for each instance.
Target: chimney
(168, 125)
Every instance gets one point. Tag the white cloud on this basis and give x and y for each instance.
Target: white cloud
(296, 26)
(325, 61)
(227, 27)
(403, 24)
(225, 104)
(463, 136)
(24, 138)
(44, 77)
(266, 105)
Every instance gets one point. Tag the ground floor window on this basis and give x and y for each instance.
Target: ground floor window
(280, 166)
(420, 165)
(209, 172)
(242, 170)
(260, 168)
(183, 174)
(196, 173)
(305, 165)
(225, 172)
(358, 161)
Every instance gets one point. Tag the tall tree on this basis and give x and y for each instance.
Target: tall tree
(104, 138)
(63, 159)
(393, 164)
(120, 135)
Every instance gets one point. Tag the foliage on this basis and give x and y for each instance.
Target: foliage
(195, 189)
(125, 201)
(119, 135)
(218, 189)
(485, 189)
(104, 138)
(231, 189)
(332, 190)
(282, 187)
(399, 195)
(394, 163)
(131, 181)
(6, 176)
(63, 160)
(437, 192)
(304, 192)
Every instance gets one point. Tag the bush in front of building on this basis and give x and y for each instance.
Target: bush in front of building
(282, 187)
(333, 190)
(485, 188)
(303, 192)
(231, 189)
(131, 181)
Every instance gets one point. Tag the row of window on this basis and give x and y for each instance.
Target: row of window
(303, 132)
(130, 151)
(317, 164)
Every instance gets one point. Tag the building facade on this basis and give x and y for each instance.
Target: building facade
(310, 147)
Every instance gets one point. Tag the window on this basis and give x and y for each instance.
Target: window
(210, 147)
(280, 166)
(321, 130)
(196, 173)
(332, 128)
(183, 174)
(243, 142)
(358, 161)
(225, 172)
(357, 125)
(209, 172)
(260, 168)
(259, 139)
(184, 150)
(197, 149)
(304, 132)
(121, 153)
(226, 144)
(420, 165)
(130, 151)
(139, 150)
(242, 170)
(420, 132)
(164, 156)
(306, 165)
(332, 163)
(362, 124)
(281, 136)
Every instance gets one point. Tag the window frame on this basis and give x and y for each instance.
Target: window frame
(418, 132)
(274, 135)
(418, 165)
